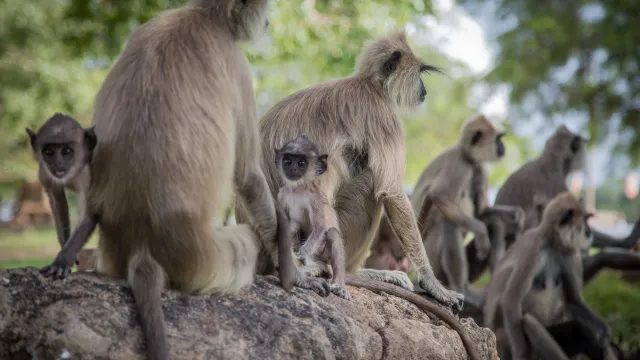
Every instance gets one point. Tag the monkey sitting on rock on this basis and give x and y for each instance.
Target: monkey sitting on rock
(538, 283)
(63, 150)
(309, 213)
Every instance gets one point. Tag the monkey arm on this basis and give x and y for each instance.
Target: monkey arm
(444, 199)
(516, 288)
(60, 208)
(61, 265)
(312, 246)
(575, 302)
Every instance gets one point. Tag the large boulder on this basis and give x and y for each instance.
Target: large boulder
(88, 316)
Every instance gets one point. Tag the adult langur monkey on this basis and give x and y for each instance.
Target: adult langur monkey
(446, 202)
(534, 301)
(353, 119)
(177, 129)
(546, 175)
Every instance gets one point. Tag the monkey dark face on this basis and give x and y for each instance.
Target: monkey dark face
(294, 167)
(484, 142)
(400, 76)
(59, 158)
(297, 156)
(62, 146)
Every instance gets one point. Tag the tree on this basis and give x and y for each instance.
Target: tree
(572, 57)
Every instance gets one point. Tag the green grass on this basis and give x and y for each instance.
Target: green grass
(11, 264)
(11, 241)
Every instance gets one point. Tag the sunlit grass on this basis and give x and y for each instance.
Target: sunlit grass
(40, 239)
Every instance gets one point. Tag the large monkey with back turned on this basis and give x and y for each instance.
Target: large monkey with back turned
(546, 176)
(537, 283)
(176, 119)
(353, 119)
(446, 208)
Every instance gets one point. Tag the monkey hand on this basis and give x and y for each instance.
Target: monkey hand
(602, 334)
(444, 296)
(340, 291)
(60, 268)
(482, 245)
(519, 217)
(319, 285)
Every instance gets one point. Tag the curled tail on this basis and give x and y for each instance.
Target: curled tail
(420, 302)
(147, 279)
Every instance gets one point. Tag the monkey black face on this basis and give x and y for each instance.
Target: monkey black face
(59, 158)
(294, 166)
(62, 154)
(500, 149)
(423, 92)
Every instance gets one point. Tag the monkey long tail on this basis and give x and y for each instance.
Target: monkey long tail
(419, 301)
(147, 279)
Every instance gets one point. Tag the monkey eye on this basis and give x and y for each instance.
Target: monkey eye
(302, 163)
(67, 150)
(47, 152)
(287, 161)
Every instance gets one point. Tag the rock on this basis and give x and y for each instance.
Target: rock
(88, 316)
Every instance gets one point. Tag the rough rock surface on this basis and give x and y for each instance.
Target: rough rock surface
(88, 316)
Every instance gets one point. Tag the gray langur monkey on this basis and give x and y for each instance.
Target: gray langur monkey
(313, 225)
(63, 150)
(354, 119)
(546, 175)
(176, 119)
(446, 207)
(537, 283)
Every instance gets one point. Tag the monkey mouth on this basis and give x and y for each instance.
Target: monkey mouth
(59, 173)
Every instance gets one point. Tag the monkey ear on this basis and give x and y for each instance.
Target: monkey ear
(32, 138)
(392, 63)
(566, 217)
(476, 137)
(90, 138)
(321, 164)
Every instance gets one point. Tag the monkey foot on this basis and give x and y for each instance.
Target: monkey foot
(446, 297)
(319, 285)
(316, 269)
(340, 291)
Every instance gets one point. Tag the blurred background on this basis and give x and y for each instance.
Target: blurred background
(527, 65)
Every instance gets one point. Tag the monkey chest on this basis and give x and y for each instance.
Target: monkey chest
(545, 297)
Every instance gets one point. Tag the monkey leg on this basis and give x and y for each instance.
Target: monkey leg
(60, 208)
(611, 258)
(401, 216)
(476, 267)
(574, 338)
(541, 341)
(147, 280)
(335, 242)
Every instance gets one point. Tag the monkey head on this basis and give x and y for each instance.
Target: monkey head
(390, 62)
(245, 19)
(296, 157)
(568, 147)
(567, 218)
(481, 140)
(62, 146)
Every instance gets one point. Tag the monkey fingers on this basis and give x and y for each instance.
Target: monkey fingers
(58, 270)
(319, 285)
(340, 291)
(449, 298)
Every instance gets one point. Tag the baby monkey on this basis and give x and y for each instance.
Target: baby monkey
(63, 150)
(311, 216)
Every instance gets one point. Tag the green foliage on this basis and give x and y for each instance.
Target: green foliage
(572, 57)
(53, 57)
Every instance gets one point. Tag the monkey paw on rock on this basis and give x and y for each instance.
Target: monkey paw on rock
(340, 291)
(319, 285)
(444, 296)
(60, 268)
